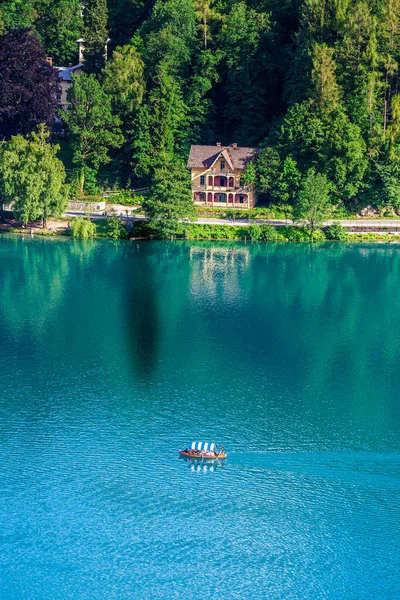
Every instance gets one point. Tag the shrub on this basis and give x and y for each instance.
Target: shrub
(83, 228)
(254, 232)
(126, 198)
(271, 234)
(336, 232)
(116, 229)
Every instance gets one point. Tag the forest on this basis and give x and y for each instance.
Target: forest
(313, 83)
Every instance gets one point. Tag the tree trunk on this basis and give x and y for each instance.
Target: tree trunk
(81, 179)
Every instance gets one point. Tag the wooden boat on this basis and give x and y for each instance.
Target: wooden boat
(203, 451)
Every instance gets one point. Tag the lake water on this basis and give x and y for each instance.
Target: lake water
(114, 355)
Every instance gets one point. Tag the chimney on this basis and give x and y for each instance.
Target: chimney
(81, 50)
(234, 145)
(218, 144)
(49, 60)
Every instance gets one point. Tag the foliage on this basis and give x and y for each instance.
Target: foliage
(254, 232)
(83, 228)
(169, 203)
(32, 177)
(95, 17)
(127, 198)
(115, 228)
(93, 126)
(336, 232)
(312, 205)
(17, 14)
(271, 234)
(248, 176)
(314, 83)
(124, 78)
(28, 85)
(59, 25)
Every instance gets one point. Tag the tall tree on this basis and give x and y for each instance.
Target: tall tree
(125, 17)
(95, 17)
(32, 177)
(123, 79)
(17, 14)
(169, 200)
(166, 42)
(59, 24)
(244, 39)
(28, 84)
(313, 206)
(93, 126)
(206, 13)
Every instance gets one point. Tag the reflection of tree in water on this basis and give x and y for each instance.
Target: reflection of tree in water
(317, 309)
(34, 272)
(154, 296)
(34, 280)
(305, 315)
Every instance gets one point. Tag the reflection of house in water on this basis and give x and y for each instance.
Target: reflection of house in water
(215, 267)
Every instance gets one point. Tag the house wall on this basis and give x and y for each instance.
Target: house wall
(65, 85)
(237, 195)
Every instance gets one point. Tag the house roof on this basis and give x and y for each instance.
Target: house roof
(66, 72)
(205, 156)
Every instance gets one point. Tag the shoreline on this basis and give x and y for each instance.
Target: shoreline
(360, 238)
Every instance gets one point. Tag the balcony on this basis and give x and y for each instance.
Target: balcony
(218, 188)
(222, 173)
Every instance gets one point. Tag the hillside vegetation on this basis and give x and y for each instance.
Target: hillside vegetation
(313, 83)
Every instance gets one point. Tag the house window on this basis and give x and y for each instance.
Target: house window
(241, 198)
(59, 96)
(202, 180)
(222, 165)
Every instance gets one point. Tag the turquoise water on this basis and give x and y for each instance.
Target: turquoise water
(114, 355)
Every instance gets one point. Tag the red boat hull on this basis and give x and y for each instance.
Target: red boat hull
(200, 455)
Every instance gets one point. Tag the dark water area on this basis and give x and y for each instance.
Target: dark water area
(114, 355)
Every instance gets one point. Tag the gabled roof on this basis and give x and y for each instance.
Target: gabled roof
(66, 72)
(205, 156)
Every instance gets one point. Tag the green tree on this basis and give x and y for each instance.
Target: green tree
(115, 228)
(205, 14)
(32, 177)
(95, 16)
(17, 14)
(313, 205)
(326, 93)
(123, 79)
(93, 126)
(59, 24)
(169, 200)
(249, 176)
(244, 37)
(82, 227)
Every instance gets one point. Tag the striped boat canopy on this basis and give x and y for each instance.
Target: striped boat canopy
(202, 446)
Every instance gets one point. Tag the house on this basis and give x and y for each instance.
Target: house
(65, 74)
(216, 176)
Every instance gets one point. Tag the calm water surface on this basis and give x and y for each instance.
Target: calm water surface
(114, 355)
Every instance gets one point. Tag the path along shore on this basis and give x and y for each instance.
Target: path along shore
(352, 225)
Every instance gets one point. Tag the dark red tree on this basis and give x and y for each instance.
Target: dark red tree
(28, 84)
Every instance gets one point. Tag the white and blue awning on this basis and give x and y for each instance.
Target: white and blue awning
(203, 446)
